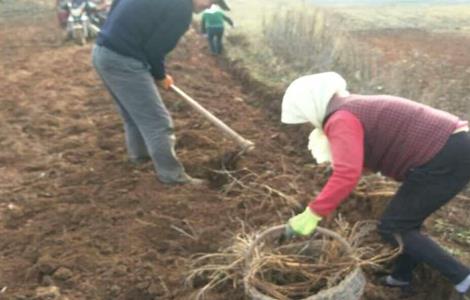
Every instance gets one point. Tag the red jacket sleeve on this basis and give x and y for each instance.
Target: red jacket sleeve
(346, 137)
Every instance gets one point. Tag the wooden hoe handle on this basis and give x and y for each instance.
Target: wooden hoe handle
(244, 143)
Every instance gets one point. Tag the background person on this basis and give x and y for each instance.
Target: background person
(212, 24)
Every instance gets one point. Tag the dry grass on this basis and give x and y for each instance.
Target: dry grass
(313, 40)
(430, 17)
(284, 42)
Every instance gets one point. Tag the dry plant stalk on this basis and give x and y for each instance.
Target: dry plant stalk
(368, 248)
(220, 268)
(253, 188)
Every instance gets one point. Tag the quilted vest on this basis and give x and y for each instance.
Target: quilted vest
(399, 134)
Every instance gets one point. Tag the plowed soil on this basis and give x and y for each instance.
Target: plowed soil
(76, 215)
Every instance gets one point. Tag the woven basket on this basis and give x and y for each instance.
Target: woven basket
(349, 288)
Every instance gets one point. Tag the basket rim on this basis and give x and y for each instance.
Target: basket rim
(279, 229)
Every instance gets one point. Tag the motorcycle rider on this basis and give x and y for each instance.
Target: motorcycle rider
(100, 7)
(62, 13)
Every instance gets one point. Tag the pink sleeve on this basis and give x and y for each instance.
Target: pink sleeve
(461, 124)
(346, 136)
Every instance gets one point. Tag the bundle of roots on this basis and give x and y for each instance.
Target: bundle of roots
(293, 270)
(298, 270)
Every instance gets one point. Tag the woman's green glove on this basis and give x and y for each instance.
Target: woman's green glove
(303, 224)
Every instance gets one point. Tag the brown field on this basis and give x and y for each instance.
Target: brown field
(75, 215)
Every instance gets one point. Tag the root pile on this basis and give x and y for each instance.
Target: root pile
(294, 270)
(298, 270)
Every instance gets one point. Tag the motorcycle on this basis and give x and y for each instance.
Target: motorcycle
(84, 20)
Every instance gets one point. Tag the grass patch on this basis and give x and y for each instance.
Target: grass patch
(277, 42)
(453, 232)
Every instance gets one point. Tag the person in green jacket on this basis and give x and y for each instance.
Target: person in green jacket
(213, 25)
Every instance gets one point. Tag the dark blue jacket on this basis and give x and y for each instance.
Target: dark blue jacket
(146, 30)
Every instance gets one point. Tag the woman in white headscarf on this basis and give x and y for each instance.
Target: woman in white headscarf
(425, 148)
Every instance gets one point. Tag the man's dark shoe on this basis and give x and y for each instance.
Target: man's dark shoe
(139, 160)
(186, 179)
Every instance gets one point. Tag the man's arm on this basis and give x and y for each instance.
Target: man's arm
(228, 20)
(166, 35)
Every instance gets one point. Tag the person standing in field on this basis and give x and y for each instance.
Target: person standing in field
(212, 24)
(129, 56)
(426, 149)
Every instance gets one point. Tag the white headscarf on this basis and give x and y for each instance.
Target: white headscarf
(306, 100)
(214, 8)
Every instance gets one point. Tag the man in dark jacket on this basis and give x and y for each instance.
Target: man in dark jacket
(130, 59)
